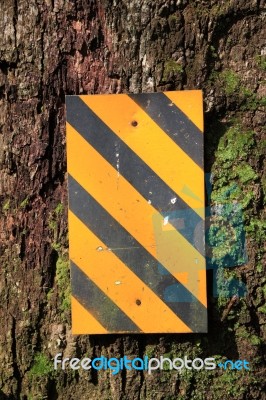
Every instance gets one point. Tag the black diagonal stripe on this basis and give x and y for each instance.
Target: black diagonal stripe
(134, 170)
(104, 310)
(174, 122)
(137, 258)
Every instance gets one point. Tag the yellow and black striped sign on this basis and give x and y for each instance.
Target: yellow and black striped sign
(136, 212)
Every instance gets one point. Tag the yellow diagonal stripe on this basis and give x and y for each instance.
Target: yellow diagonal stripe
(125, 204)
(83, 321)
(190, 102)
(152, 145)
(119, 283)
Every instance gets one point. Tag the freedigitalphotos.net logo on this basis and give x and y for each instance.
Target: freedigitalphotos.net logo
(115, 365)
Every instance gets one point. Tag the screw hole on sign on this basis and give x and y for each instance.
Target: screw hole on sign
(134, 123)
(138, 302)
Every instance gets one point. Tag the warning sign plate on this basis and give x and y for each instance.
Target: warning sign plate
(136, 212)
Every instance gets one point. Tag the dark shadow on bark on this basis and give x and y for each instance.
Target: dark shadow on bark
(214, 130)
(3, 396)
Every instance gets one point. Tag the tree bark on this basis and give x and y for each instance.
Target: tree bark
(53, 48)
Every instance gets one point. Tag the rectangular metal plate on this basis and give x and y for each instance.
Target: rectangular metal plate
(136, 212)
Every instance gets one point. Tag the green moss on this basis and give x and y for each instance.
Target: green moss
(232, 171)
(150, 351)
(52, 224)
(229, 83)
(206, 9)
(34, 396)
(50, 294)
(262, 309)
(262, 101)
(255, 340)
(171, 67)
(6, 205)
(256, 228)
(228, 284)
(245, 173)
(230, 80)
(259, 267)
(42, 366)
(250, 100)
(213, 52)
(226, 235)
(235, 145)
(63, 282)
(56, 246)
(59, 209)
(251, 338)
(228, 383)
(172, 19)
(24, 203)
(242, 333)
(232, 199)
(261, 62)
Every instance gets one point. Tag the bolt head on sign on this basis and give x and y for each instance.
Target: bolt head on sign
(136, 212)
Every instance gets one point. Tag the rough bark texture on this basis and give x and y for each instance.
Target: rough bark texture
(50, 48)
